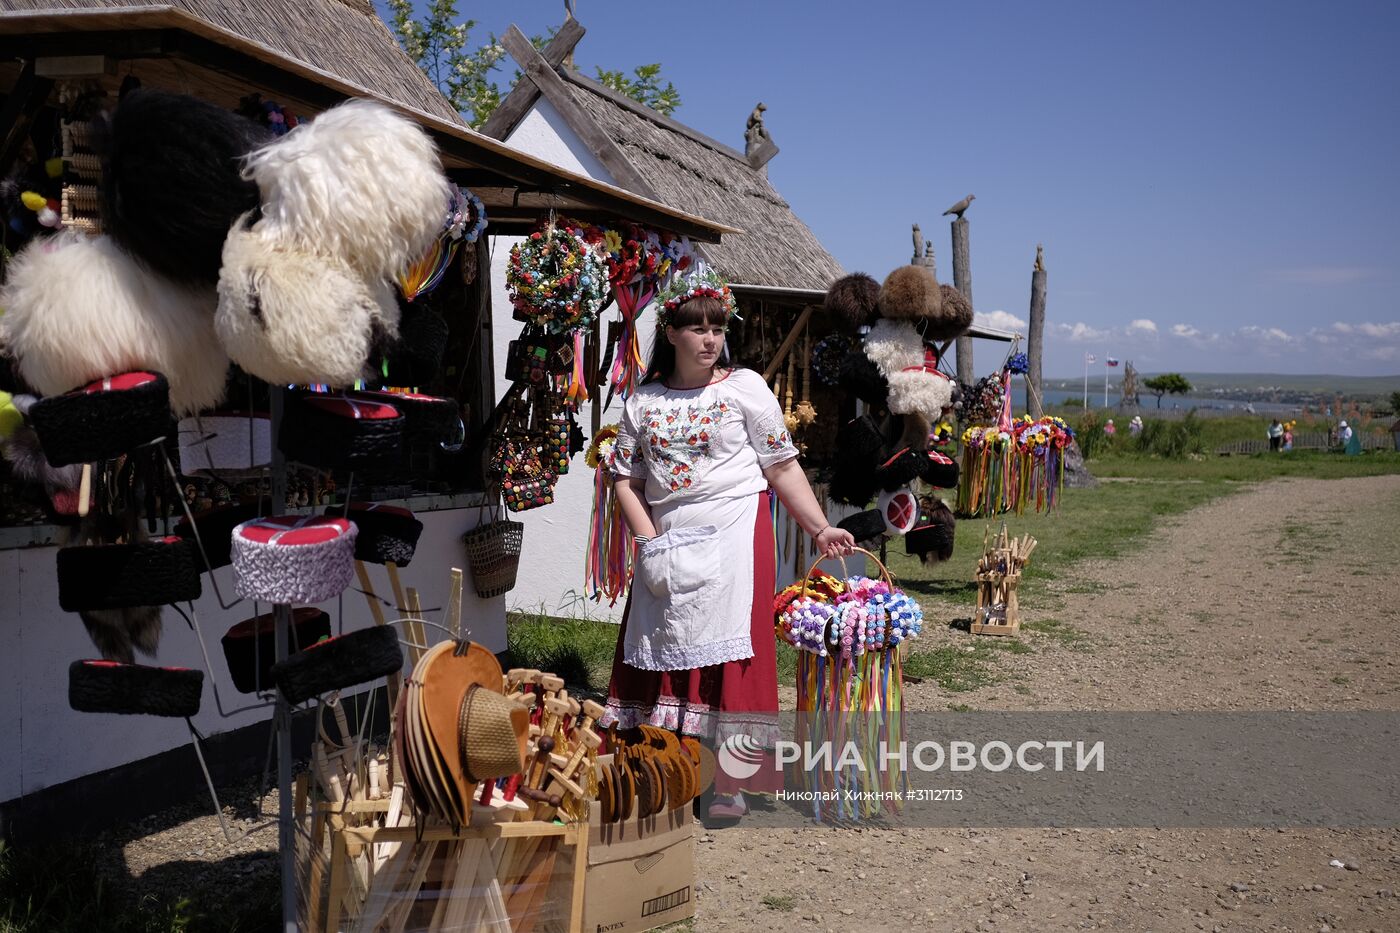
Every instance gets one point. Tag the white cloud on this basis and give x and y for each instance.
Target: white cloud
(1388, 331)
(1184, 330)
(1143, 326)
(1079, 332)
(1267, 334)
(1000, 320)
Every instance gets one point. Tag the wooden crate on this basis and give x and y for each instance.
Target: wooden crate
(998, 610)
(352, 866)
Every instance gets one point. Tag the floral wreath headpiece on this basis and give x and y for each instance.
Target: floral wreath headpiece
(702, 282)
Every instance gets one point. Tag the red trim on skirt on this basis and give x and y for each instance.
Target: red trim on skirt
(720, 700)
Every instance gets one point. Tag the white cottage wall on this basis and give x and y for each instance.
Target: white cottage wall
(48, 743)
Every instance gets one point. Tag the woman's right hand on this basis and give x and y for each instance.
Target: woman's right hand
(835, 542)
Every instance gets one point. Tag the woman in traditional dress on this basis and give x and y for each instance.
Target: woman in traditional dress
(700, 449)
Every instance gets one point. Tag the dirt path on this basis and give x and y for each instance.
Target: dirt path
(1282, 597)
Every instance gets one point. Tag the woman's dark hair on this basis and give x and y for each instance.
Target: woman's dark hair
(699, 310)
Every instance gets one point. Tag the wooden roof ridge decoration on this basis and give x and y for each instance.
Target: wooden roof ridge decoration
(662, 158)
(187, 51)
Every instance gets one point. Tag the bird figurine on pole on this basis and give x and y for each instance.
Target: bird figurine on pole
(961, 206)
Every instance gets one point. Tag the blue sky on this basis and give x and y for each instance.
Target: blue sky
(1217, 185)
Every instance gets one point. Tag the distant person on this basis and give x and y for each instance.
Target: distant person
(1109, 429)
(1135, 426)
(1276, 435)
(1288, 436)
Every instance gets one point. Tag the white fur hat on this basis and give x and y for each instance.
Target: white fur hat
(897, 348)
(290, 315)
(78, 309)
(360, 182)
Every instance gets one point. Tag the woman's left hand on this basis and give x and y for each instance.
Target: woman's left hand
(835, 542)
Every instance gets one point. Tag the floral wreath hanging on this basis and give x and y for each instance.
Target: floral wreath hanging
(827, 356)
(557, 280)
(703, 282)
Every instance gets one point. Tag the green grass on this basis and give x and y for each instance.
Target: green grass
(778, 901)
(961, 667)
(578, 650)
(1060, 632)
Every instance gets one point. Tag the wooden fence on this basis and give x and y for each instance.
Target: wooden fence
(1374, 440)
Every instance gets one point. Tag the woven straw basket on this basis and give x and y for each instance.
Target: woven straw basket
(493, 548)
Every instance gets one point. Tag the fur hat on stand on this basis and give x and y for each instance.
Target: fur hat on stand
(78, 309)
(289, 315)
(852, 302)
(172, 182)
(361, 183)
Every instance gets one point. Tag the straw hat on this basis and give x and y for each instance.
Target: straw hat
(461, 729)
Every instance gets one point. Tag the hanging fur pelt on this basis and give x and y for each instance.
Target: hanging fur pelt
(172, 182)
(117, 633)
(78, 309)
(360, 182)
(289, 315)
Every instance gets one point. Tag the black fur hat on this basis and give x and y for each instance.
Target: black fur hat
(938, 470)
(387, 533)
(250, 647)
(415, 358)
(216, 531)
(103, 420)
(332, 432)
(118, 576)
(856, 454)
(853, 302)
(864, 526)
(932, 538)
(900, 469)
(171, 181)
(133, 689)
(434, 419)
(863, 379)
(337, 663)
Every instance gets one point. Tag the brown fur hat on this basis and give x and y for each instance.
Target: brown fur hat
(852, 302)
(910, 293)
(955, 319)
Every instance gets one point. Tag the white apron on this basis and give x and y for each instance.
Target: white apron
(692, 591)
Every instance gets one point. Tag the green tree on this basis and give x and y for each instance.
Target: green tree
(1166, 384)
(645, 87)
(440, 45)
(1395, 403)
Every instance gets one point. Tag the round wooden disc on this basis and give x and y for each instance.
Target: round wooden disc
(644, 782)
(626, 789)
(705, 761)
(607, 795)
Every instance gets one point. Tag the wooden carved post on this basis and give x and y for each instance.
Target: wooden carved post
(1036, 340)
(962, 281)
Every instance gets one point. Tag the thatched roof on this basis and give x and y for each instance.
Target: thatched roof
(694, 173)
(307, 55)
(661, 158)
(339, 37)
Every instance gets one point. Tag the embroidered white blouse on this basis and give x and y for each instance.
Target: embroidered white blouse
(703, 453)
(708, 443)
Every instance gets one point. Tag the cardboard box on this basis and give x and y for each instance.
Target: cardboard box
(641, 872)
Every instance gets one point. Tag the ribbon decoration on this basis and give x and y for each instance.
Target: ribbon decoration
(628, 366)
(577, 391)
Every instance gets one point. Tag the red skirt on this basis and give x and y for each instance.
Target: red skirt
(716, 702)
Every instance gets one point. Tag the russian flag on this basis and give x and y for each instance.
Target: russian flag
(1110, 361)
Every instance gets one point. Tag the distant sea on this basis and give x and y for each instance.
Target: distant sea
(1148, 401)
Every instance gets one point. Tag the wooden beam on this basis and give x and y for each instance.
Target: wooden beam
(781, 356)
(21, 104)
(523, 96)
(539, 71)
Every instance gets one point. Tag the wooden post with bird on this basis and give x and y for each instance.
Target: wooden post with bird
(1035, 387)
(962, 281)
